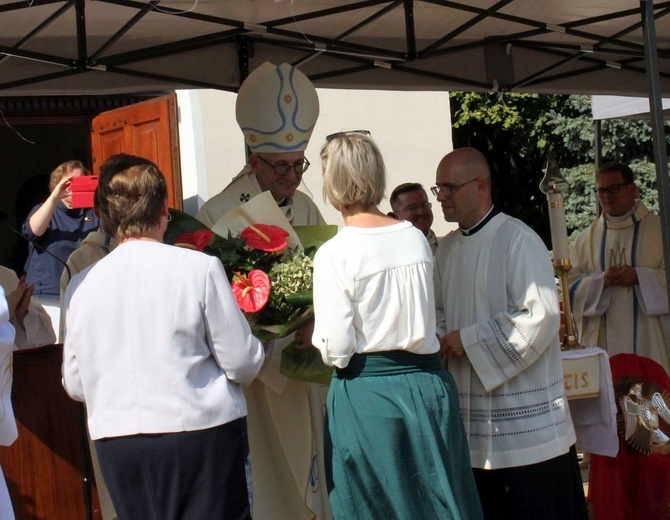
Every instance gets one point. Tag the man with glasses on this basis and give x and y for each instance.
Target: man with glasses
(617, 281)
(276, 108)
(498, 322)
(410, 202)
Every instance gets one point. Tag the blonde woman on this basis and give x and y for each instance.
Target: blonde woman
(395, 444)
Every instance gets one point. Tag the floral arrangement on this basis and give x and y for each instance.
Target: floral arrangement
(272, 283)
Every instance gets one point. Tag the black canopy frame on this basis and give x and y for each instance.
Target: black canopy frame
(80, 47)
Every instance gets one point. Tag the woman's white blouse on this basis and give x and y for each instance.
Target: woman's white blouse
(155, 342)
(373, 292)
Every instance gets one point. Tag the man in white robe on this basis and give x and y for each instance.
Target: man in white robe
(498, 318)
(277, 134)
(276, 109)
(617, 282)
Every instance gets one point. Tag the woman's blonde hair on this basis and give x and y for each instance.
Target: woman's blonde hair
(63, 169)
(131, 201)
(353, 170)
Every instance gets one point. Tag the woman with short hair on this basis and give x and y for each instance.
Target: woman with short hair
(158, 350)
(54, 229)
(395, 444)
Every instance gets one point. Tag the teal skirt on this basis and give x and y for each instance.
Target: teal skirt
(395, 443)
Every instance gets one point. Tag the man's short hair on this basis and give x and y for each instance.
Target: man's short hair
(404, 188)
(614, 166)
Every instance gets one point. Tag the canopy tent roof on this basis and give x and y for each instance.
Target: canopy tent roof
(121, 46)
(624, 107)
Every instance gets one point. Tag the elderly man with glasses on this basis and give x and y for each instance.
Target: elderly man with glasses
(617, 281)
(409, 201)
(498, 322)
(276, 108)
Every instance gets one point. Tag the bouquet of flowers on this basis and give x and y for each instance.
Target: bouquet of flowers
(271, 281)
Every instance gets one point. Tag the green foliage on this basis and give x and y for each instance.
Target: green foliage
(519, 132)
(512, 130)
(623, 139)
(237, 257)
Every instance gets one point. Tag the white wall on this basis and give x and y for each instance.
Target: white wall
(412, 129)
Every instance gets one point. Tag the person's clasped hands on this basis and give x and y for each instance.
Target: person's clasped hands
(624, 276)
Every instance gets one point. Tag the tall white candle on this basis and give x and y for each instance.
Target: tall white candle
(559, 229)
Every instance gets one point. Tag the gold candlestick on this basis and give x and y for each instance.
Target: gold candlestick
(554, 186)
(562, 267)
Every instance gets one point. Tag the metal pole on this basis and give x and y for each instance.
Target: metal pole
(657, 127)
(598, 133)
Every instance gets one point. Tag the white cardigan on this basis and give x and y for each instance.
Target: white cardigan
(155, 342)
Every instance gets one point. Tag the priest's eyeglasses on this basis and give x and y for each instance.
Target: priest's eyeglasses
(282, 168)
(449, 189)
(612, 189)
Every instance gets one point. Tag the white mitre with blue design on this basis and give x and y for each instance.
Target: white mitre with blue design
(276, 109)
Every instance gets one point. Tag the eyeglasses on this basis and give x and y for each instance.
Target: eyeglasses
(282, 168)
(448, 189)
(330, 137)
(415, 207)
(612, 189)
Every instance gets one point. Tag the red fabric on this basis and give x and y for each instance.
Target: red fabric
(631, 486)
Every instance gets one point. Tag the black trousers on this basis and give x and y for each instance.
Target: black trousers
(177, 476)
(549, 490)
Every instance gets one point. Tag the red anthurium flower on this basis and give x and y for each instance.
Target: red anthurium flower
(265, 237)
(196, 240)
(251, 291)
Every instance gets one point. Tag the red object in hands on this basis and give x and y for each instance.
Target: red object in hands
(251, 291)
(195, 240)
(82, 188)
(265, 237)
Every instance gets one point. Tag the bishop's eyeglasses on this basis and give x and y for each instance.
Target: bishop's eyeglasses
(282, 168)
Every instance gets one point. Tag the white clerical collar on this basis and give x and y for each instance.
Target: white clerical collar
(479, 225)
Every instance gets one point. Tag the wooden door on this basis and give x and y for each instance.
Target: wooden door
(147, 129)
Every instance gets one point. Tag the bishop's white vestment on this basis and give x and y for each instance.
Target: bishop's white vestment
(285, 416)
(299, 210)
